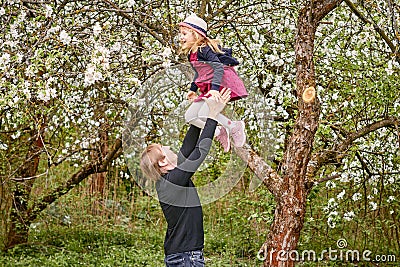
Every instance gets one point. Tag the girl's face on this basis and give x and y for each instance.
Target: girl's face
(186, 37)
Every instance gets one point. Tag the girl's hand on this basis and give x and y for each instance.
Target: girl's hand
(191, 96)
(215, 94)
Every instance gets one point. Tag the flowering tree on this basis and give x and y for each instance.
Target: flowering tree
(69, 70)
(65, 79)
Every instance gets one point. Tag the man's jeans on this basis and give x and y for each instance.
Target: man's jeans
(185, 259)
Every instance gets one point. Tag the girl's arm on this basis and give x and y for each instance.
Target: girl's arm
(193, 86)
(211, 58)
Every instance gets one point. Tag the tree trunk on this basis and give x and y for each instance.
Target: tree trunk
(5, 206)
(97, 182)
(19, 221)
(279, 249)
(18, 227)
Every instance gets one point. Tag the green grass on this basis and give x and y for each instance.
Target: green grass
(65, 246)
(133, 236)
(129, 231)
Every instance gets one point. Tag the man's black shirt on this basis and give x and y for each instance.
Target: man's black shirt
(178, 196)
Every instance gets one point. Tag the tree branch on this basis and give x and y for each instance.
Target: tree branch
(376, 27)
(220, 10)
(266, 173)
(202, 10)
(322, 8)
(88, 169)
(337, 152)
(136, 22)
(328, 178)
(23, 179)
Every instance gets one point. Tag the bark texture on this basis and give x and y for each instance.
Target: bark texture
(292, 190)
(18, 224)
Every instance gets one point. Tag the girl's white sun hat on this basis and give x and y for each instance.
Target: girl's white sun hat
(195, 23)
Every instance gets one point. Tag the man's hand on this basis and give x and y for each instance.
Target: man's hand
(191, 96)
(214, 94)
(217, 105)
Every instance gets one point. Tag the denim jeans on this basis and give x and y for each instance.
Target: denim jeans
(185, 259)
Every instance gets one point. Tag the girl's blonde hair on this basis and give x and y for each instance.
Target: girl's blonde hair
(200, 42)
(149, 162)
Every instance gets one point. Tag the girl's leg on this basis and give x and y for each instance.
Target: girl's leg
(191, 115)
(222, 132)
(224, 121)
(235, 128)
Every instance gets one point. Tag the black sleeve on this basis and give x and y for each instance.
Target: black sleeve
(185, 170)
(193, 86)
(189, 143)
(211, 58)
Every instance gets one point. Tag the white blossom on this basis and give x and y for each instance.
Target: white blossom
(14, 30)
(341, 194)
(280, 62)
(27, 93)
(98, 76)
(3, 146)
(390, 199)
(356, 196)
(389, 68)
(49, 11)
(331, 222)
(5, 59)
(330, 184)
(53, 30)
(135, 81)
(373, 205)
(332, 205)
(348, 216)
(390, 180)
(344, 177)
(16, 135)
(333, 213)
(96, 29)
(2, 11)
(130, 3)
(64, 37)
(116, 47)
(91, 75)
(374, 191)
(84, 144)
(167, 52)
(43, 95)
(20, 57)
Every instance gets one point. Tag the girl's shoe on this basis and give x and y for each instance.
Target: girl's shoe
(223, 138)
(238, 134)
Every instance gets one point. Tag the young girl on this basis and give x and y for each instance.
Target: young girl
(214, 70)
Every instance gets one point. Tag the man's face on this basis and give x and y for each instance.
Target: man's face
(171, 157)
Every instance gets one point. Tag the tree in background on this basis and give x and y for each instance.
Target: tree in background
(62, 62)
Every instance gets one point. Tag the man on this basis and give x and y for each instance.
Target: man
(184, 240)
